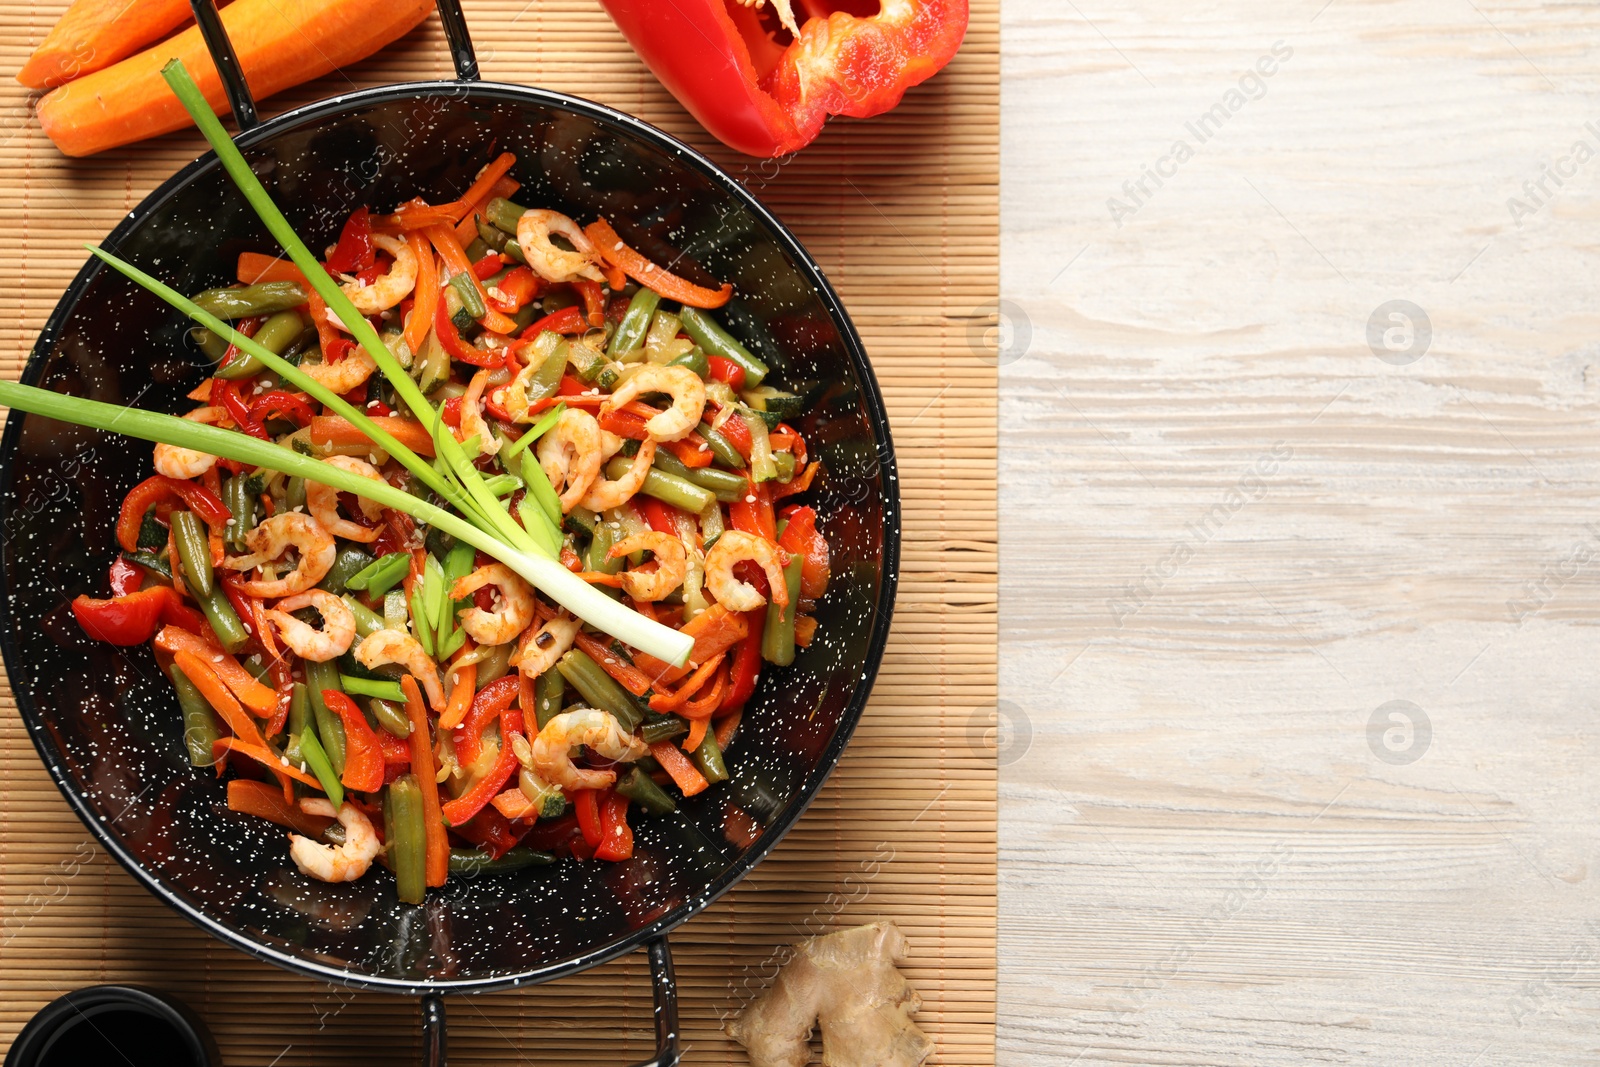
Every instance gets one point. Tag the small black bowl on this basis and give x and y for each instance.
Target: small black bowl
(107, 1024)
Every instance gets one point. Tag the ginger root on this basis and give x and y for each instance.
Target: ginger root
(846, 982)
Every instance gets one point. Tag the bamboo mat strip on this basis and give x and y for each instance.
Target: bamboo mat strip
(903, 214)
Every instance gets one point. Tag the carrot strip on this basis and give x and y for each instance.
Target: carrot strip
(257, 697)
(514, 804)
(425, 294)
(714, 630)
(480, 187)
(805, 628)
(338, 430)
(217, 695)
(697, 734)
(267, 758)
(705, 705)
(250, 797)
(614, 251)
(675, 700)
(438, 845)
(461, 694)
(684, 773)
(727, 726)
(94, 34)
(259, 267)
(625, 674)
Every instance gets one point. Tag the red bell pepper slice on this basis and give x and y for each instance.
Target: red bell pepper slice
(125, 577)
(282, 404)
(586, 803)
(450, 337)
(181, 615)
(225, 392)
(488, 266)
(248, 327)
(363, 756)
(737, 433)
(766, 98)
(131, 619)
(491, 701)
(746, 665)
(157, 488)
(616, 839)
(514, 291)
(594, 301)
(354, 252)
(802, 538)
(468, 804)
(567, 320)
(753, 514)
(450, 414)
(726, 370)
(494, 833)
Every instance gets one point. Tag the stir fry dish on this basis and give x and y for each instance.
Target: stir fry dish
(481, 521)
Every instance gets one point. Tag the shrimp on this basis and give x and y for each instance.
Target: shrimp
(472, 420)
(336, 863)
(285, 530)
(513, 604)
(539, 649)
(552, 749)
(186, 463)
(672, 565)
(688, 394)
(605, 493)
(307, 641)
(394, 646)
(393, 287)
(552, 263)
(570, 455)
(736, 546)
(322, 501)
(341, 377)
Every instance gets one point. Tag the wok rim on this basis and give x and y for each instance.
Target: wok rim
(883, 608)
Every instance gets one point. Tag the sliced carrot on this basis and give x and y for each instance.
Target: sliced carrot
(674, 701)
(692, 451)
(687, 776)
(624, 673)
(424, 295)
(614, 251)
(257, 697)
(710, 699)
(438, 845)
(259, 267)
(714, 630)
(338, 430)
(727, 726)
(279, 43)
(461, 694)
(417, 214)
(514, 804)
(94, 34)
(217, 695)
(202, 392)
(479, 189)
(697, 734)
(258, 798)
(267, 758)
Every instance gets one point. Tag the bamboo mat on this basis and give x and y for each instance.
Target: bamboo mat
(903, 214)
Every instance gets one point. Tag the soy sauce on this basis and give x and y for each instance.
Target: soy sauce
(118, 1036)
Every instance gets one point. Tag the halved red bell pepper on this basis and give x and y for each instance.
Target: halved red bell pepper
(123, 620)
(766, 92)
(125, 577)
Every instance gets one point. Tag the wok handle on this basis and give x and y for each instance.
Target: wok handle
(243, 101)
(665, 990)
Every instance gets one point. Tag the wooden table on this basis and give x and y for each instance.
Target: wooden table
(1298, 652)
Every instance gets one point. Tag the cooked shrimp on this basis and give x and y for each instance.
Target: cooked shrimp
(472, 420)
(393, 287)
(341, 377)
(672, 565)
(307, 641)
(322, 501)
(570, 455)
(285, 530)
(513, 604)
(336, 863)
(393, 646)
(552, 749)
(186, 463)
(736, 546)
(688, 394)
(552, 263)
(539, 649)
(605, 493)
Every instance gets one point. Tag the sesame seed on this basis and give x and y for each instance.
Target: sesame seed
(750, 499)
(617, 247)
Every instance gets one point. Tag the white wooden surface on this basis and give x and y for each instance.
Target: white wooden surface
(1204, 858)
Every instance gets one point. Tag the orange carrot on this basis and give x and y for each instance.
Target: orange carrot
(227, 708)
(675, 701)
(727, 726)
(514, 804)
(94, 34)
(461, 694)
(456, 262)
(259, 798)
(338, 430)
(260, 267)
(697, 734)
(479, 189)
(619, 255)
(467, 228)
(279, 43)
(805, 628)
(677, 765)
(257, 697)
(438, 845)
(267, 758)
(425, 294)
(714, 630)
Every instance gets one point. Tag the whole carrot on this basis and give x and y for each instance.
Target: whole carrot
(94, 34)
(280, 43)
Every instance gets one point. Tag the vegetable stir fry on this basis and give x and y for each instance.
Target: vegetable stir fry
(519, 562)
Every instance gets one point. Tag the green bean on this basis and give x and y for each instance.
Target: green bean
(242, 506)
(194, 551)
(200, 730)
(695, 360)
(492, 235)
(349, 562)
(727, 486)
(785, 463)
(469, 862)
(330, 728)
(777, 640)
(708, 757)
(224, 621)
(368, 622)
(258, 667)
(495, 664)
(721, 447)
(382, 574)
(405, 831)
(638, 787)
(599, 553)
(209, 343)
(262, 298)
(663, 729)
(276, 334)
(471, 302)
(716, 341)
(321, 764)
(630, 333)
(371, 687)
(599, 688)
(669, 488)
(390, 717)
(503, 213)
(550, 692)
(294, 494)
(299, 709)
(477, 248)
(710, 527)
